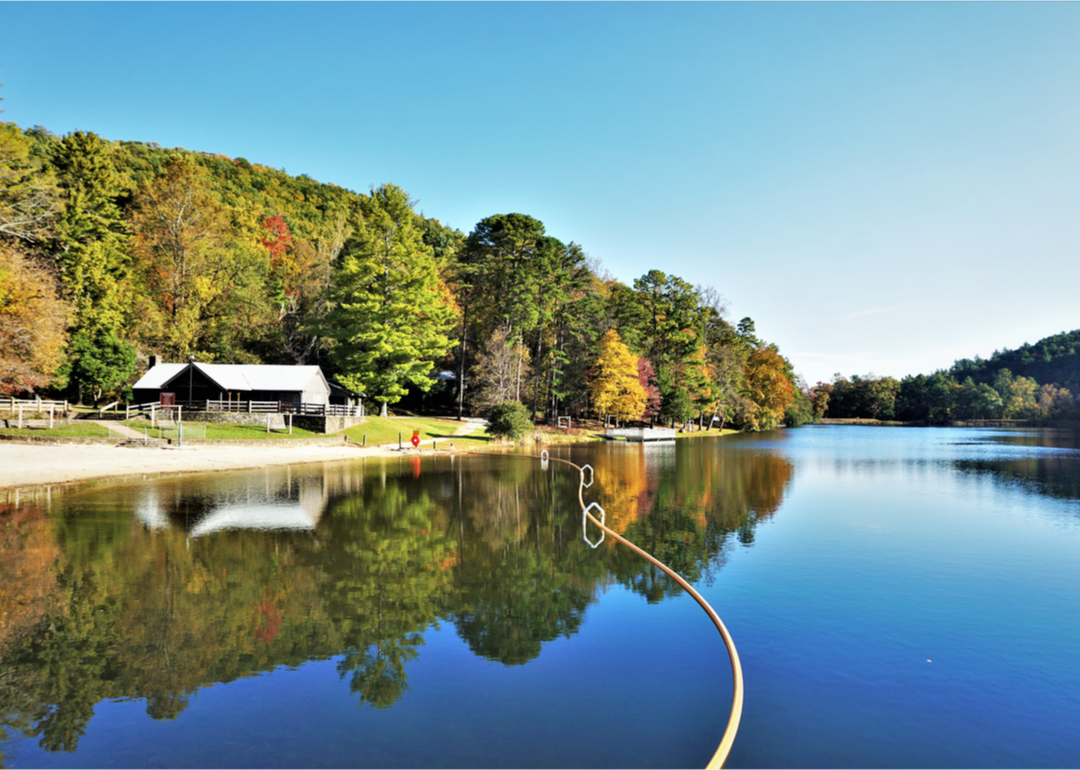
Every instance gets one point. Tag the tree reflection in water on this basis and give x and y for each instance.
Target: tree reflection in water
(683, 504)
(155, 590)
(522, 578)
(382, 576)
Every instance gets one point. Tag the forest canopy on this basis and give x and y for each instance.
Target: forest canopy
(126, 250)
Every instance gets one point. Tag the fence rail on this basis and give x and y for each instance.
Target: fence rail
(248, 407)
(37, 404)
(321, 410)
(154, 408)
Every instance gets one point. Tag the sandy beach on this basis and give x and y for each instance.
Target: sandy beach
(28, 465)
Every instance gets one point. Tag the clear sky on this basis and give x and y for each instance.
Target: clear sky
(882, 187)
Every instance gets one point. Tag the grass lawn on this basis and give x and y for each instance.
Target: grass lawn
(76, 430)
(707, 433)
(546, 435)
(384, 430)
(215, 430)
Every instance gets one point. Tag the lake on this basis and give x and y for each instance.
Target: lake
(900, 597)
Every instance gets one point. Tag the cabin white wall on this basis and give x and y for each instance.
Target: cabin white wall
(317, 391)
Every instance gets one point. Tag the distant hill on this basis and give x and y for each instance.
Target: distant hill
(1051, 360)
(1033, 382)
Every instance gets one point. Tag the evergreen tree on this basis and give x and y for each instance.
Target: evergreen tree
(90, 249)
(391, 316)
(91, 242)
(99, 364)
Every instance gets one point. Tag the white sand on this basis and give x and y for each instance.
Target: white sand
(25, 465)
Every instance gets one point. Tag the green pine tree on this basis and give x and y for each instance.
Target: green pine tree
(391, 316)
(91, 241)
(90, 248)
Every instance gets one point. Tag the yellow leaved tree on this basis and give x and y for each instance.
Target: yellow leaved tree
(615, 389)
(33, 323)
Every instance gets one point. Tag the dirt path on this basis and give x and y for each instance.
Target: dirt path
(114, 427)
(472, 424)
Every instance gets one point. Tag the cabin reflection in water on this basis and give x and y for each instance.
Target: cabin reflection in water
(293, 506)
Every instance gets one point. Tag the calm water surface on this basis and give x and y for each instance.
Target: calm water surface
(899, 597)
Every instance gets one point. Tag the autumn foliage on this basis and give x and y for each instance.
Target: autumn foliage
(768, 387)
(33, 323)
(615, 387)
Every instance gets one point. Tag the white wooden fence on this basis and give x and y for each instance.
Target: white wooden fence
(245, 407)
(285, 407)
(250, 407)
(36, 404)
(20, 406)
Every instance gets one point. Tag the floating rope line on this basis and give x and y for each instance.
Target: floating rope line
(722, 751)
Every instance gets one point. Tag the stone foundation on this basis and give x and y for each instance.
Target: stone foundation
(325, 424)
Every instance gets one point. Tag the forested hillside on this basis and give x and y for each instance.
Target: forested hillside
(1033, 382)
(111, 251)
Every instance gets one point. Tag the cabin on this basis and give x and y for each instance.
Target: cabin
(191, 383)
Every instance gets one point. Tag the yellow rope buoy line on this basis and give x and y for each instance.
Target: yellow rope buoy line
(722, 751)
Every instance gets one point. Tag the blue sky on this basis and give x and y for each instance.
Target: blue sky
(882, 187)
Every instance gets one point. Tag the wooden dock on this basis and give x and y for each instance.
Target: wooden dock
(640, 434)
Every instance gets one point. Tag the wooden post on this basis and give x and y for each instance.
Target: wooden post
(267, 421)
(399, 442)
(153, 415)
(290, 424)
(365, 440)
(50, 416)
(249, 406)
(20, 416)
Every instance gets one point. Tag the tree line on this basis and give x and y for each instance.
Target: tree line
(111, 251)
(1033, 382)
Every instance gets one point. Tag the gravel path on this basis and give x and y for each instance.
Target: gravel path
(115, 427)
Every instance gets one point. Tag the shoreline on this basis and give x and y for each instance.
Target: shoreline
(29, 465)
(26, 465)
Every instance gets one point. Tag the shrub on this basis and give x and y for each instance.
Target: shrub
(510, 419)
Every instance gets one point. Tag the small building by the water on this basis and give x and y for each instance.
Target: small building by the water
(193, 382)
